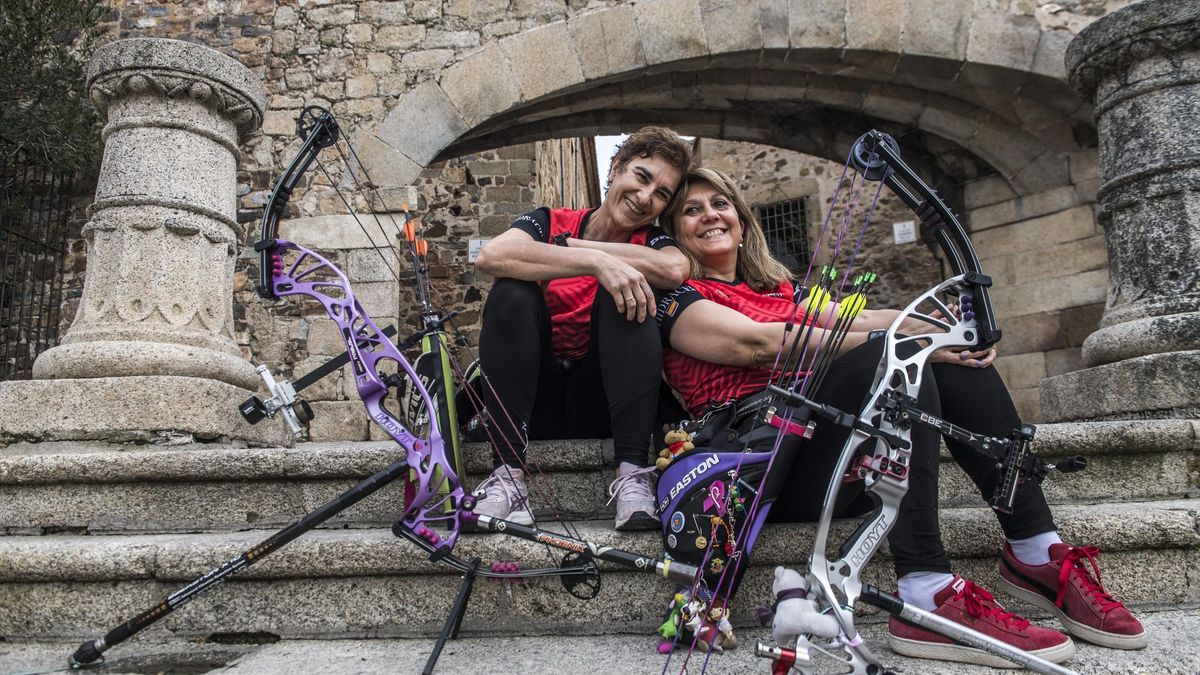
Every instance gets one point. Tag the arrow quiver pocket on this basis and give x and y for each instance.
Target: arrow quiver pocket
(709, 497)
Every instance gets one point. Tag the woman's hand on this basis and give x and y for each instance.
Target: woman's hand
(628, 287)
(979, 359)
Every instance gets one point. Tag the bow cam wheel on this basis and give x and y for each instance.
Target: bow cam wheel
(583, 585)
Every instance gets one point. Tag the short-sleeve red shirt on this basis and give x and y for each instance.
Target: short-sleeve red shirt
(570, 299)
(702, 383)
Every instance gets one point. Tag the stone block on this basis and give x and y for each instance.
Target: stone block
(380, 64)
(1028, 404)
(361, 86)
(375, 264)
(875, 25)
(388, 166)
(144, 409)
(360, 33)
(1080, 322)
(937, 29)
(1085, 165)
(670, 30)
(1000, 38)
(607, 41)
(1073, 257)
(554, 67)
(338, 421)
(378, 298)
(885, 102)
(1021, 371)
(1036, 233)
(481, 85)
(325, 338)
(1062, 361)
(1021, 208)
(424, 121)
(383, 13)
(327, 388)
(427, 59)
(1049, 58)
(477, 11)
(1034, 332)
(1157, 385)
(1047, 170)
(817, 24)
(1039, 296)
(773, 15)
(399, 37)
(327, 232)
(985, 192)
(324, 17)
(286, 16)
(730, 26)
(458, 39)
(279, 123)
(956, 121)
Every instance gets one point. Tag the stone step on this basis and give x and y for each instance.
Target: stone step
(1174, 634)
(90, 487)
(366, 583)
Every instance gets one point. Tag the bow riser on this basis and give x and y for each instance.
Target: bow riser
(297, 270)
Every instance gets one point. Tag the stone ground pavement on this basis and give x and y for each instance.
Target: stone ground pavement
(1174, 649)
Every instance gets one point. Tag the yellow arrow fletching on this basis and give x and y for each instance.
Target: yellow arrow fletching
(852, 305)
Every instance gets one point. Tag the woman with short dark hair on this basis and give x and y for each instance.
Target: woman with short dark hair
(566, 346)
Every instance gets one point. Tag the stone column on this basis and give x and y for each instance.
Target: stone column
(151, 351)
(1141, 68)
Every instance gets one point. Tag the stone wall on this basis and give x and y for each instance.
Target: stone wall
(362, 58)
(768, 175)
(1047, 255)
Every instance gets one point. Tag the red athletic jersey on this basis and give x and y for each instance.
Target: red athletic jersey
(701, 383)
(570, 299)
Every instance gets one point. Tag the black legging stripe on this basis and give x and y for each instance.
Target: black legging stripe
(611, 392)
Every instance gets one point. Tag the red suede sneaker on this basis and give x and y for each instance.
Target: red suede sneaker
(972, 606)
(1066, 587)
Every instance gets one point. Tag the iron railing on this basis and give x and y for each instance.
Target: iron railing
(35, 208)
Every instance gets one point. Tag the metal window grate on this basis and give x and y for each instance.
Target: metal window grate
(35, 206)
(786, 227)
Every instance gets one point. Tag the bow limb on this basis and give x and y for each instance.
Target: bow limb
(296, 270)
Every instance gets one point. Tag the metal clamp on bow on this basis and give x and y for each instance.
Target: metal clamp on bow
(295, 411)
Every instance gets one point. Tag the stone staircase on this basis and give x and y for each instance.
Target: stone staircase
(95, 533)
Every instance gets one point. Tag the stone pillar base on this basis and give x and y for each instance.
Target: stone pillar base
(1157, 386)
(144, 409)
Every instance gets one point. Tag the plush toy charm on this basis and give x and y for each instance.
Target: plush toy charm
(794, 613)
(670, 627)
(678, 442)
(719, 616)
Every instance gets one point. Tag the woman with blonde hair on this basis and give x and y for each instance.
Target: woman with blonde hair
(722, 331)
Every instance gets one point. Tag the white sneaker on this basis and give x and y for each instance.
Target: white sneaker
(504, 495)
(634, 492)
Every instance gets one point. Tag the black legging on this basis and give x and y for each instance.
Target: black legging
(610, 392)
(974, 398)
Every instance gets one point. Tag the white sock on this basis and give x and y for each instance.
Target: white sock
(918, 588)
(1036, 549)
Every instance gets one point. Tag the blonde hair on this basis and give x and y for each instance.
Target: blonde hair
(756, 266)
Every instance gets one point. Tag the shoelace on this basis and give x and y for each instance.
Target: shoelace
(982, 604)
(1073, 561)
(508, 488)
(633, 484)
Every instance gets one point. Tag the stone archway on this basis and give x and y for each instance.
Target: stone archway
(978, 99)
(986, 84)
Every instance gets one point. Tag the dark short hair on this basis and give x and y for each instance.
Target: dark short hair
(653, 140)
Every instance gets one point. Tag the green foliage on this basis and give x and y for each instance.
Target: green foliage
(44, 109)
